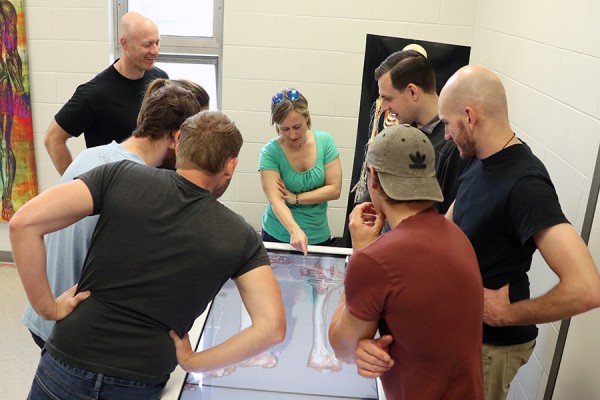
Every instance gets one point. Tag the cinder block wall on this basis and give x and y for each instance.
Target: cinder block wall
(317, 47)
(547, 54)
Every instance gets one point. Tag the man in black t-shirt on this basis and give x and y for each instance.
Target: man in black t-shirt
(507, 205)
(105, 108)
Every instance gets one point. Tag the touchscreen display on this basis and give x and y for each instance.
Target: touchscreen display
(303, 366)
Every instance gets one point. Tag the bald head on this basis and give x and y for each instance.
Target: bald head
(477, 87)
(132, 23)
(473, 106)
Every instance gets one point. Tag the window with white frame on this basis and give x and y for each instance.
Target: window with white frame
(191, 33)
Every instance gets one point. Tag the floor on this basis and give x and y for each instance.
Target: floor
(18, 354)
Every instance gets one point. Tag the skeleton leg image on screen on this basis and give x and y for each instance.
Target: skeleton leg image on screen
(324, 279)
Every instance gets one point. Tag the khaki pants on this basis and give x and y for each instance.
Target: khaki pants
(500, 365)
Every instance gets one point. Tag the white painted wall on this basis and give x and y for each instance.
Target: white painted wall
(547, 54)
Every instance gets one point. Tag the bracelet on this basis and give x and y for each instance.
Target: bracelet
(296, 198)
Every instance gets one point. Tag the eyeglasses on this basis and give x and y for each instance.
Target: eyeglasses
(291, 94)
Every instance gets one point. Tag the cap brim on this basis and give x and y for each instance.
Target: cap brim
(410, 189)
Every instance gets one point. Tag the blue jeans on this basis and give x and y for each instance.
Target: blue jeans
(59, 381)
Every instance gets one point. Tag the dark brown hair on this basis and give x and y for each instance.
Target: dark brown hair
(165, 106)
(408, 66)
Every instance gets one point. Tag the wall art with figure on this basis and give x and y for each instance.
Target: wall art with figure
(17, 160)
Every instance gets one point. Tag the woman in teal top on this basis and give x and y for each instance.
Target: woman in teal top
(299, 171)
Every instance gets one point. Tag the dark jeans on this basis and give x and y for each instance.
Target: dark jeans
(268, 238)
(59, 381)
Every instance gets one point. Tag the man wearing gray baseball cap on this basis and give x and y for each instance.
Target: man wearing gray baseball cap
(424, 296)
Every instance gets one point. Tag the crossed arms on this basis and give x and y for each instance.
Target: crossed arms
(278, 195)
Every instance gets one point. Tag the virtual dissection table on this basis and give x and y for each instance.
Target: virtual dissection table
(303, 366)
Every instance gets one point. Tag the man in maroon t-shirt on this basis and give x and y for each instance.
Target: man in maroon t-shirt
(418, 284)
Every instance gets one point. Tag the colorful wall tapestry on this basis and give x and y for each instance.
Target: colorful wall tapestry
(17, 161)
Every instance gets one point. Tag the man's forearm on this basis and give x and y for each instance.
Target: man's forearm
(51, 210)
(29, 253)
(556, 305)
(55, 141)
(61, 156)
(343, 346)
(238, 348)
